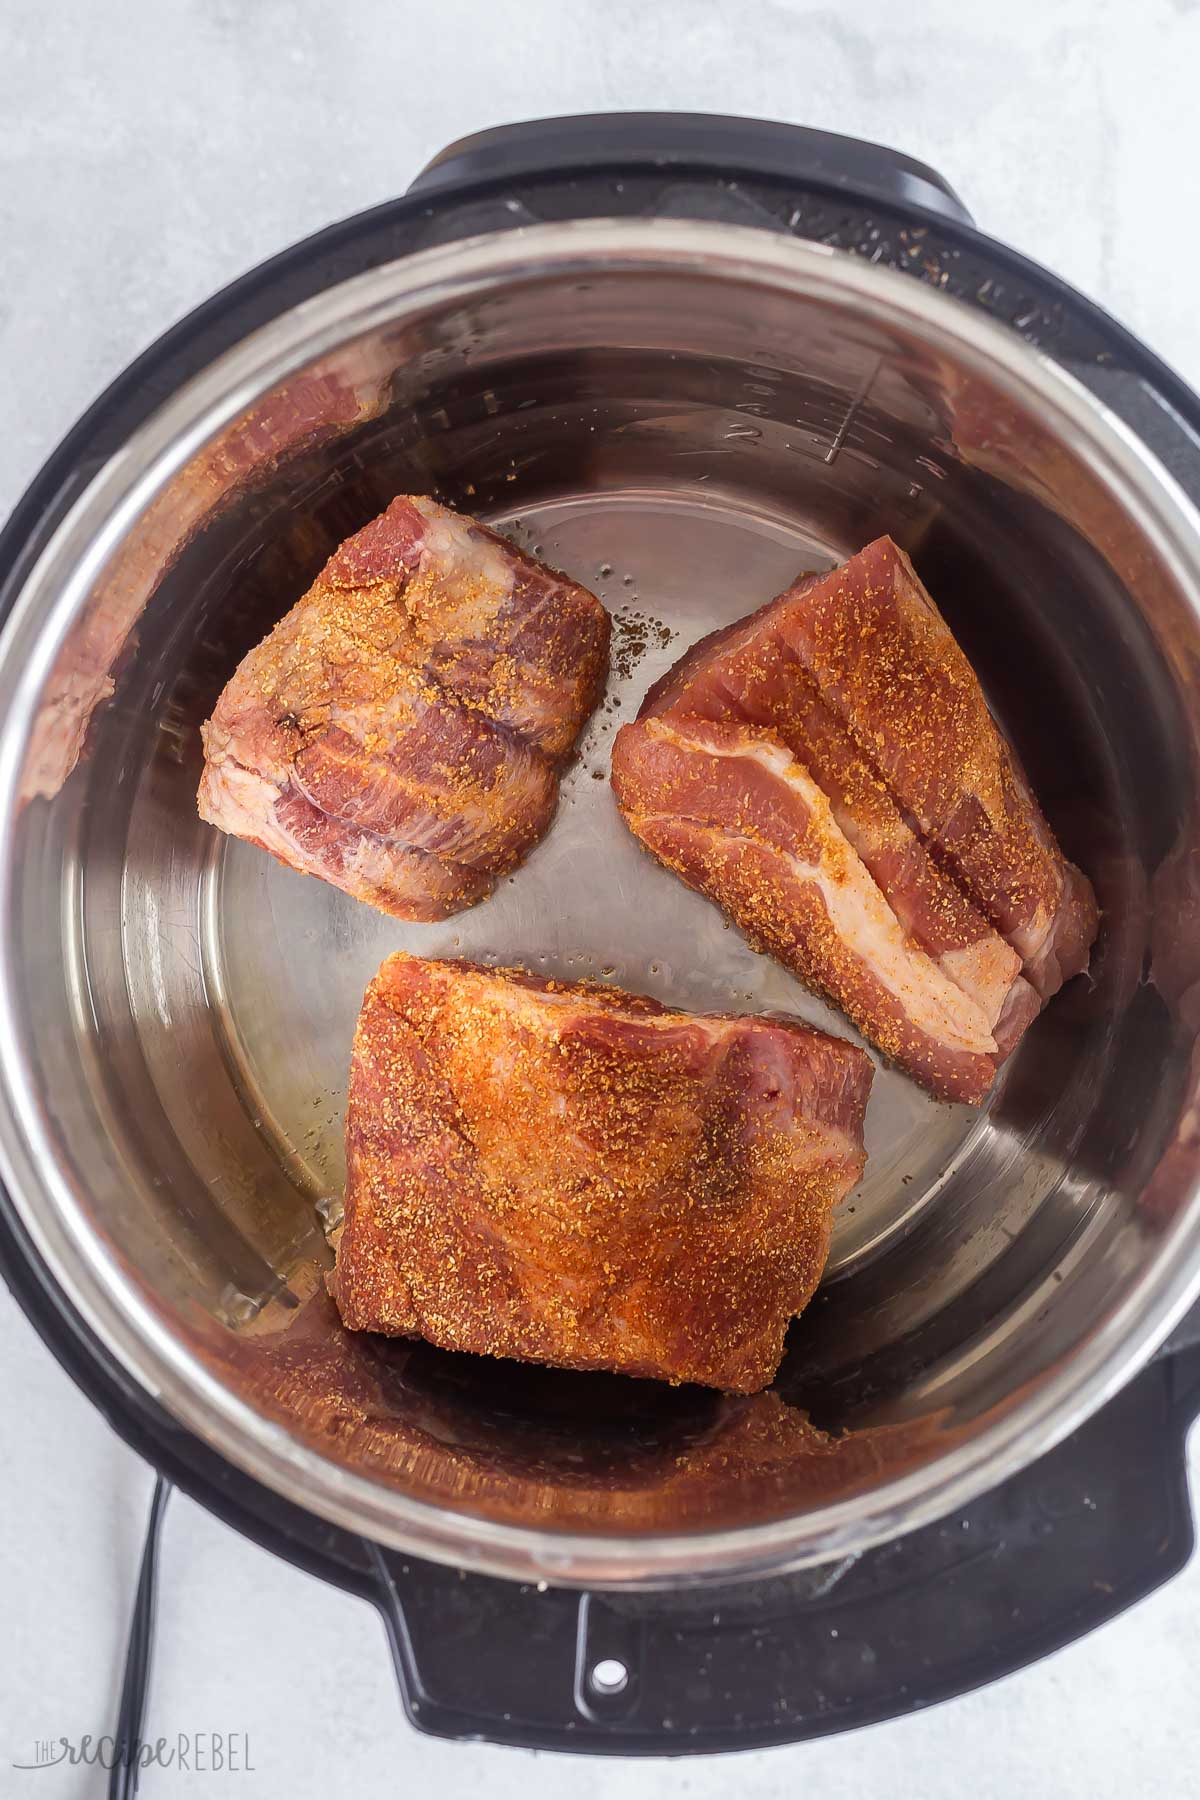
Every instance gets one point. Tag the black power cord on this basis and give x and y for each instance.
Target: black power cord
(123, 1777)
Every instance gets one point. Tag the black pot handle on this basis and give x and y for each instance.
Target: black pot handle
(1056, 1550)
(730, 146)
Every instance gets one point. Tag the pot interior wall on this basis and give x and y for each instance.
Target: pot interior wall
(684, 444)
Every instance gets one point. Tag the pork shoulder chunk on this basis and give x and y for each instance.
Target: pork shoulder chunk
(401, 731)
(570, 1174)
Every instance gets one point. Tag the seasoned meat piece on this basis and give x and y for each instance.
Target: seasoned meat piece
(747, 674)
(569, 1174)
(733, 812)
(885, 661)
(852, 683)
(401, 731)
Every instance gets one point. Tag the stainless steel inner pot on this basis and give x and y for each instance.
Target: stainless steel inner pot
(682, 416)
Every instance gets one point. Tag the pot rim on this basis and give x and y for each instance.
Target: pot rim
(109, 1298)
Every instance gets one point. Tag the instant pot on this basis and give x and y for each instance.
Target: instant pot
(682, 358)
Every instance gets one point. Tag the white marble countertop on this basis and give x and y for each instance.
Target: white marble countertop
(149, 151)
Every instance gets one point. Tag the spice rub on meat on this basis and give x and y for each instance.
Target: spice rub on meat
(570, 1174)
(401, 731)
(827, 770)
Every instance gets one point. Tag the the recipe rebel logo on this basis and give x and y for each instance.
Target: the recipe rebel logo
(192, 1752)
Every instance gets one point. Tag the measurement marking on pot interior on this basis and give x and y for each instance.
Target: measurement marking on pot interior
(864, 389)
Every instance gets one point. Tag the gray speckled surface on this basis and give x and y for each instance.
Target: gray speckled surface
(148, 153)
